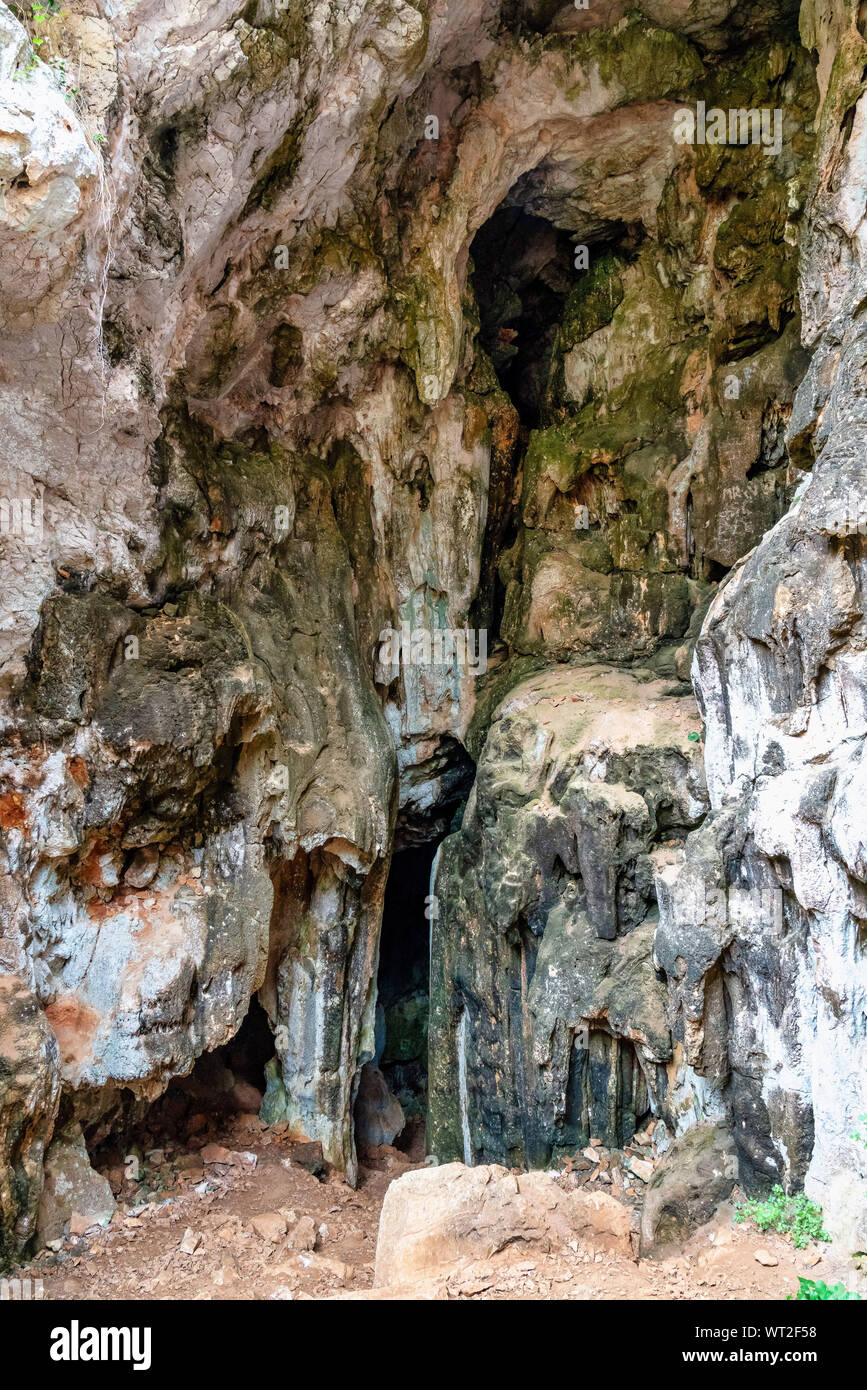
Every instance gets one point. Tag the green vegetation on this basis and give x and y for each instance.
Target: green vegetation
(40, 13)
(33, 16)
(58, 67)
(36, 13)
(817, 1291)
(795, 1216)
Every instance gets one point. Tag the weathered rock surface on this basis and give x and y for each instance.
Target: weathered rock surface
(771, 1003)
(696, 1174)
(378, 1115)
(436, 1219)
(300, 349)
(51, 178)
(73, 1196)
(29, 1096)
(548, 1023)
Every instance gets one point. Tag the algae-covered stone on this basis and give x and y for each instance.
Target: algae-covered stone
(548, 1021)
(696, 1174)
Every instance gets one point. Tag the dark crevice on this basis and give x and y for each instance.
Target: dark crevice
(453, 771)
(528, 275)
(750, 338)
(521, 276)
(403, 985)
(523, 271)
(225, 1082)
(142, 1146)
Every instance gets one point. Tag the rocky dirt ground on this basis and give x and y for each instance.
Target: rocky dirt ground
(240, 1211)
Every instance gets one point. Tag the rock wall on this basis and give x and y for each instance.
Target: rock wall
(779, 672)
(548, 1023)
(324, 323)
(756, 967)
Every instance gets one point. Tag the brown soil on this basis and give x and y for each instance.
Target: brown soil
(209, 1208)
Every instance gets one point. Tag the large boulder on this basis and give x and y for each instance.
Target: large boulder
(696, 1174)
(436, 1219)
(29, 1095)
(379, 1117)
(74, 1195)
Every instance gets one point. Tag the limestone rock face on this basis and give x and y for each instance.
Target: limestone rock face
(548, 1024)
(29, 1096)
(771, 1003)
(50, 174)
(73, 1194)
(329, 326)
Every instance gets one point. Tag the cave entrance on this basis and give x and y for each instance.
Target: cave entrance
(521, 274)
(523, 269)
(531, 279)
(225, 1085)
(150, 1150)
(231, 1079)
(403, 993)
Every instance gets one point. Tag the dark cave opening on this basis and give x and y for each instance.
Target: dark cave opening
(403, 991)
(223, 1091)
(523, 271)
(227, 1081)
(453, 771)
(530, 278)
(526, 271)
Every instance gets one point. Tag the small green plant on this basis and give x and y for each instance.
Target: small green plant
(817, 1291)
(796, 1216)
(58, 67)
(40, 13)
(32, 15)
